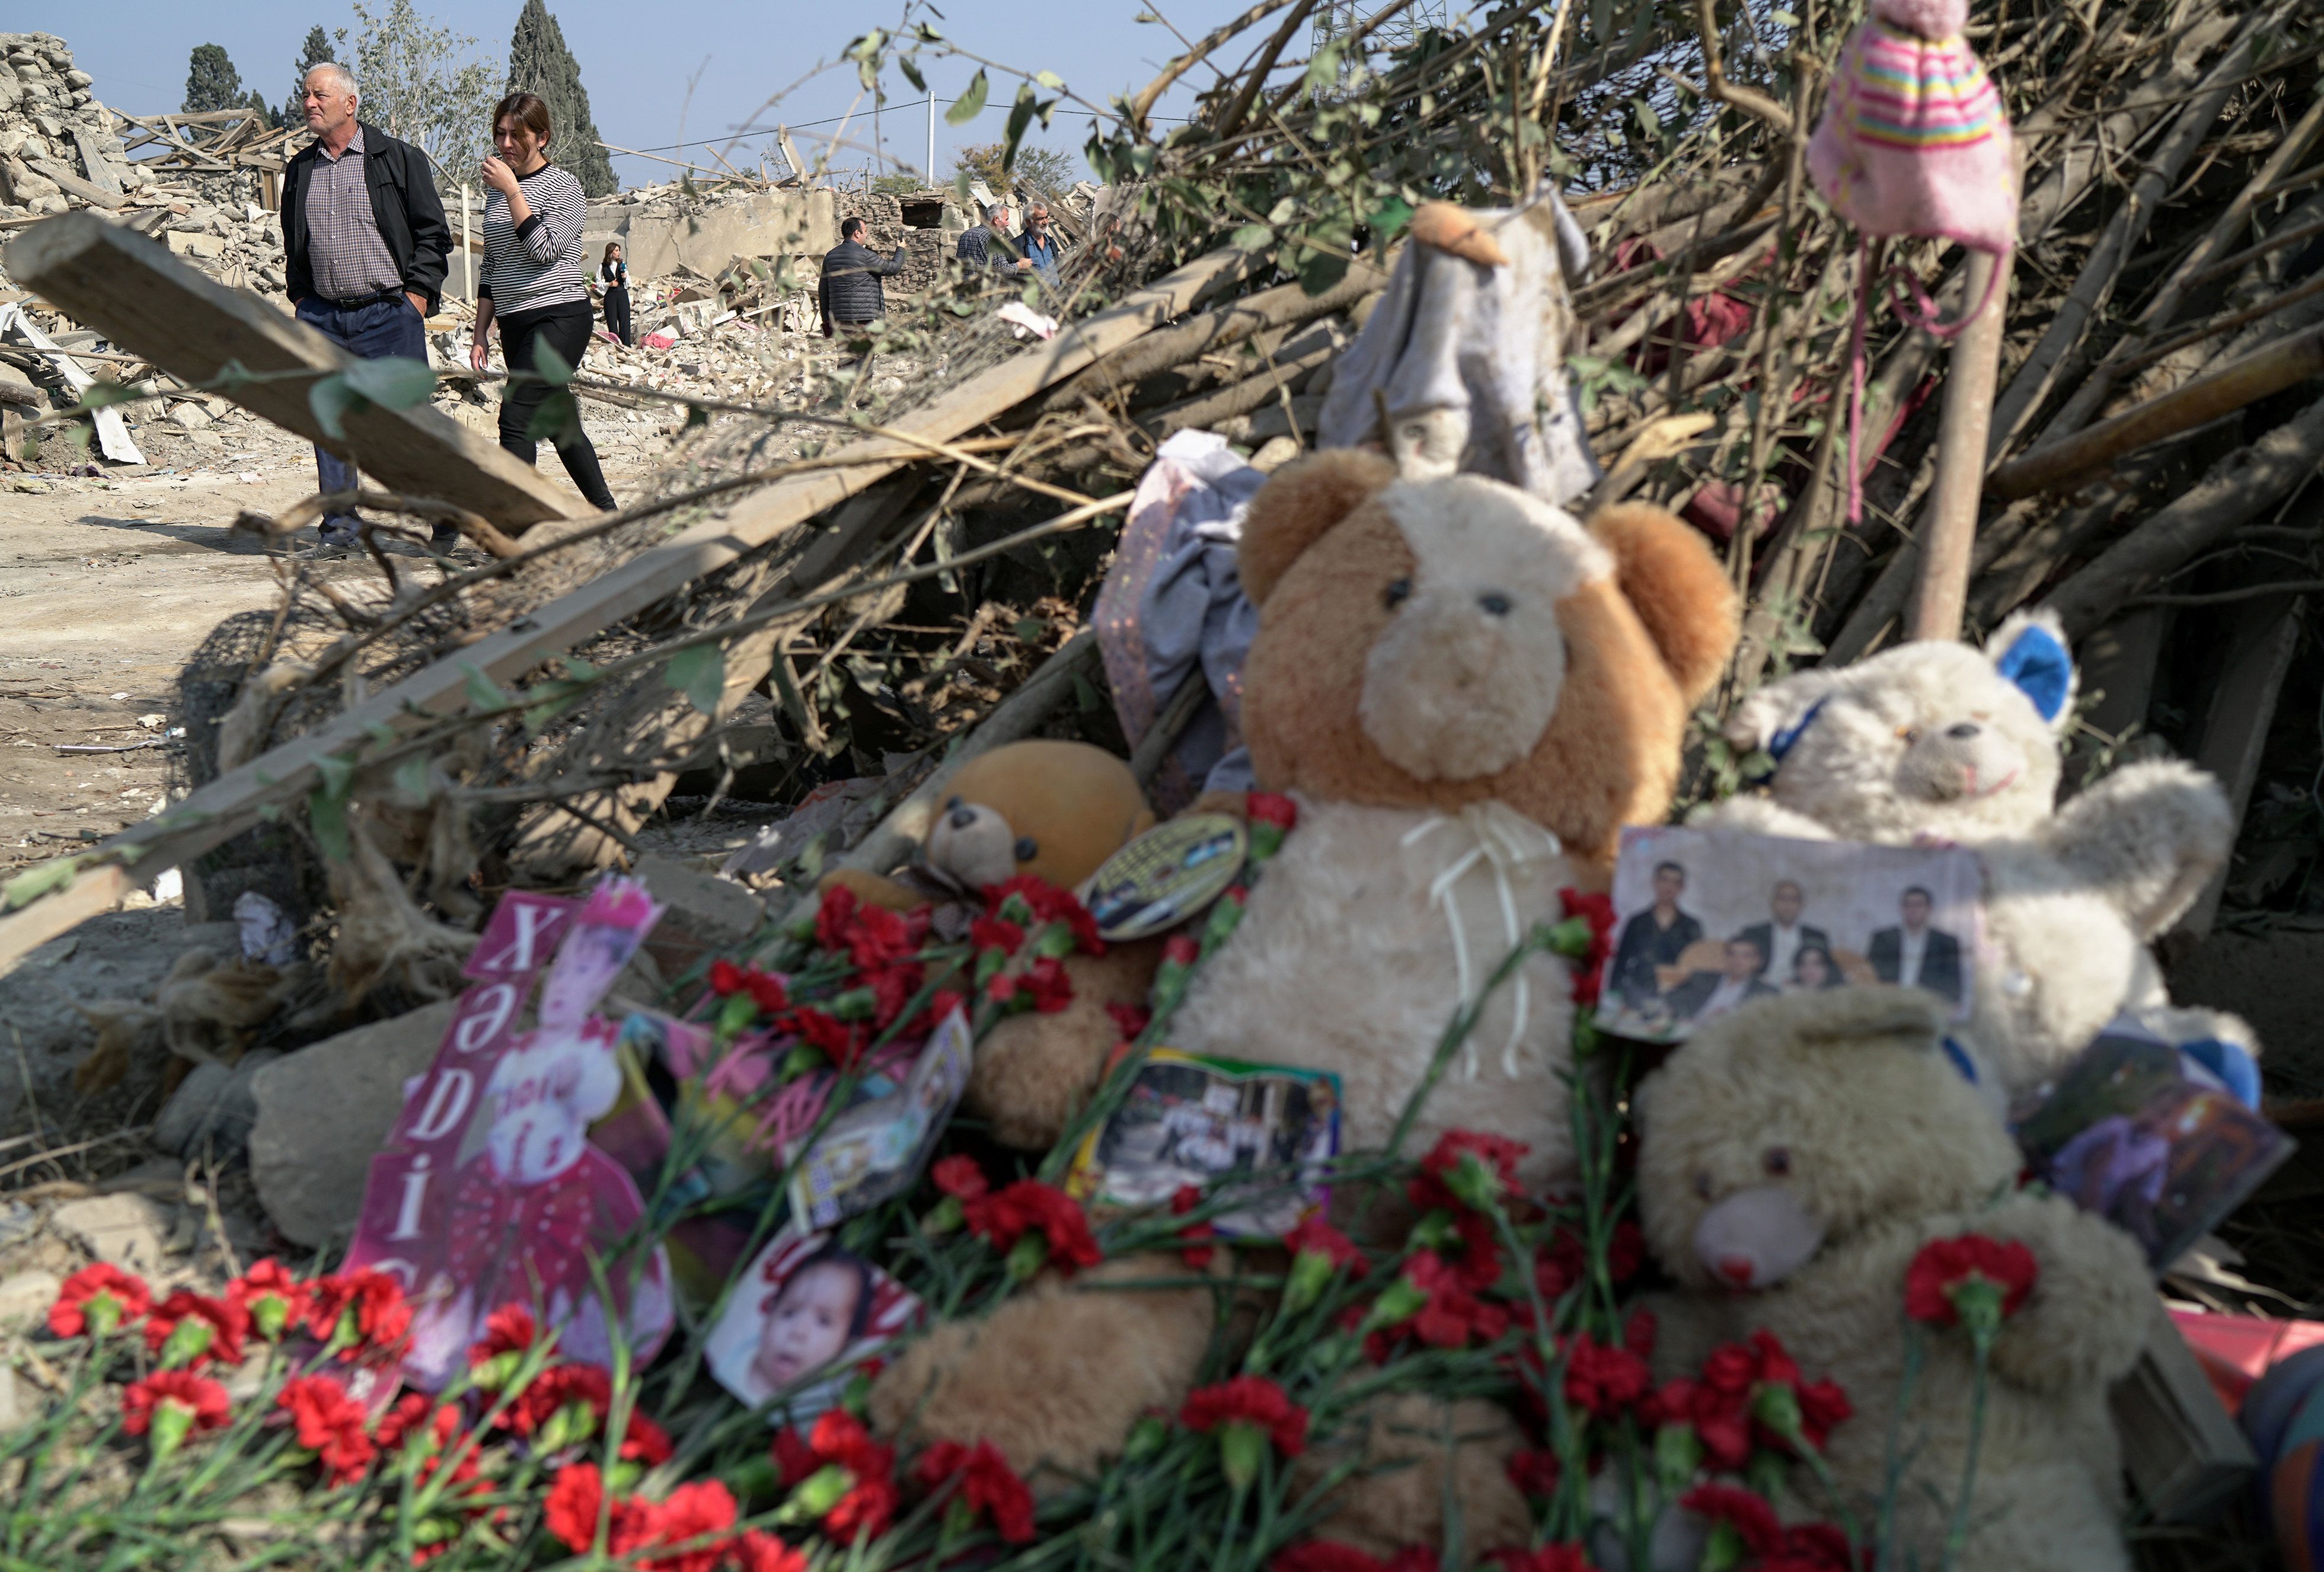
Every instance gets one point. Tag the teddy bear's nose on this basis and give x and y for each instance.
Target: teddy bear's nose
(1737, 1269)
(1496, 605)
(1963, 731)
(961, 818)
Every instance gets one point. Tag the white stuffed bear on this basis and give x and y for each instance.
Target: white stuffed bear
(1944, 743)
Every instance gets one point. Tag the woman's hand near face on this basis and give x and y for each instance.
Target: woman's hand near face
(497, 174)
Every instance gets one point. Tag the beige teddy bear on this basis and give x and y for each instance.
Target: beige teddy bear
(1468, 693)
(1794, 1158)
(1946, 743)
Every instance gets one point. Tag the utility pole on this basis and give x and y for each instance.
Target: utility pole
(932, 136)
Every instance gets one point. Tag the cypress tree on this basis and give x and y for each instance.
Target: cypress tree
(540, 63)
(212, 81)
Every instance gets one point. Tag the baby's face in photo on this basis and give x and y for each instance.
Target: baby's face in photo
(807, 1327)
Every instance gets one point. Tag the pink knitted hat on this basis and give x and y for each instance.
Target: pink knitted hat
(1914, 140)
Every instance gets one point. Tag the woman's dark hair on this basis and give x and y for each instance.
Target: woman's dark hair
(1832, 974)
(527, 108)
(832, 1256)
(610, 247)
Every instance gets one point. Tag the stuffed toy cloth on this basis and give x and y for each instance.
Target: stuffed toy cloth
(1914, 141)
(1465, 354)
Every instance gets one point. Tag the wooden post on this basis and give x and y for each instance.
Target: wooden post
(1949, 525)
(133, 290)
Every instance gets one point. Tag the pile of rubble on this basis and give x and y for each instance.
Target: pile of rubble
(56, 142)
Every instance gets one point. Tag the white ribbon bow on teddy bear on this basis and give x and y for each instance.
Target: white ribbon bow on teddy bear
(1485, 838)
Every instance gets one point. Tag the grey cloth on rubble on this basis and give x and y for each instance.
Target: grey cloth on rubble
(1470, 360)
(1172, 602)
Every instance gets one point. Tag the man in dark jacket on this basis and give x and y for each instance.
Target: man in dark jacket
(363, 244)
(850, 293)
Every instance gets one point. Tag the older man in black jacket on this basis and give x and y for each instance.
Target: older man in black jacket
(850, 293)
(363, 244)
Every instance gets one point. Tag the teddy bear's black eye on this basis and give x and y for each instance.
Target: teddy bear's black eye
(1495, 603)
(951, 803)
(1703, 1185)
(1027, 849)
(1397, 594)
(1776, 1160)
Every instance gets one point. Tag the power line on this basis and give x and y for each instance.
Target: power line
(836, 119)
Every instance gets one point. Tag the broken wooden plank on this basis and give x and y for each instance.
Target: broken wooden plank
(2235, 737)
(277, 779)
(1948, 528)
(100, 173)
(73, 185)
(2280, 365)
(133, 290)
(112, 438)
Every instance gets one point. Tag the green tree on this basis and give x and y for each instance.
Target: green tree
(425, 84)
(212, 81)
(1039, 171)
(540, 63)
(318, 51)
(898, 184)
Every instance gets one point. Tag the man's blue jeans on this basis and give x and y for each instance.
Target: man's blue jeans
(375, 331)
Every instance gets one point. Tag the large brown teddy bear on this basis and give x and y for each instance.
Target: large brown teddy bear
(1468, 694)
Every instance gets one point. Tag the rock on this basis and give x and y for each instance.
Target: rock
(323, 1112)
(126, 1230)
(212, 1111)
(190, 416)
(204, 247)
(18, 1223)
(13, 1410)
(706, 913)
(25, 1298)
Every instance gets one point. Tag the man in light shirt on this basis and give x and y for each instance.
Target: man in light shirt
(1915, 954)
(1779, 939)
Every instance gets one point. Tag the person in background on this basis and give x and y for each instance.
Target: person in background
(532, 284)
(988, 244)
(1916, 955)
(1653, 939)
(1041, 246)
(364, 247)
(849, 292)
(613, 282)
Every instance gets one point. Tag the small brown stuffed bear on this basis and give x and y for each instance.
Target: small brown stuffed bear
(1468, 693)
(1058, 811)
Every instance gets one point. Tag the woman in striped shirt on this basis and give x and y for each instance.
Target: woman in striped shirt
(533, 215)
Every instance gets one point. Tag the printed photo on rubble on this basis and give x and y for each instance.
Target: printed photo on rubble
(801, 1322)
(1707, 921)
(1269, 1130)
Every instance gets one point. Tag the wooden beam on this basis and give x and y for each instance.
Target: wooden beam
(93, 161)
(1948, 528)
(133, 290)
(73, 185)
(284, 777)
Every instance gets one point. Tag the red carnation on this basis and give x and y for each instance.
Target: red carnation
(97, 1298)
(1466, 1168)
(862, 1496)
(1331, 1556)
(1006, 1215)
(988, 1486)
(358, 1312)
(701, 1516)
(1535, 1474)
(996, 933)
(415, 1414)
(756, 1551)
(509, 1333)
(1181, 950)
(1449, 1316)
(274, 1299)
(1748, 1517)
(835, 1039)
(1047, 904)
(173, 1405)
(1316, 1236)
(329, 1423)
(578, 1496)
(555, 1388)
(725, 978)
(1586, 939)
(1560, 1264)
(766, 991)
(1129, 1020)
(1247, 1412)
(1972, 1278)
(1604, 1380)
(192, 1331)
(958, 1176)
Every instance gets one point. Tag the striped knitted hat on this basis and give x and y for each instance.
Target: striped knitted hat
(1914, 140)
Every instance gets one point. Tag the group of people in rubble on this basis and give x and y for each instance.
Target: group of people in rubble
(366, 245)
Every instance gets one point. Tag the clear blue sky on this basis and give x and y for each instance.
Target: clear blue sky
(637, 56)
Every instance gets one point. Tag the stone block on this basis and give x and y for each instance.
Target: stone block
(207, 248)
(25, 1298)
(322, 1114)
(126, 1230)
(211, 1112)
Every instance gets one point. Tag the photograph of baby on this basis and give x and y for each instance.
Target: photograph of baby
(2164, 1155)
(799, 1322)
(1710, 920)
(1190, 1120)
